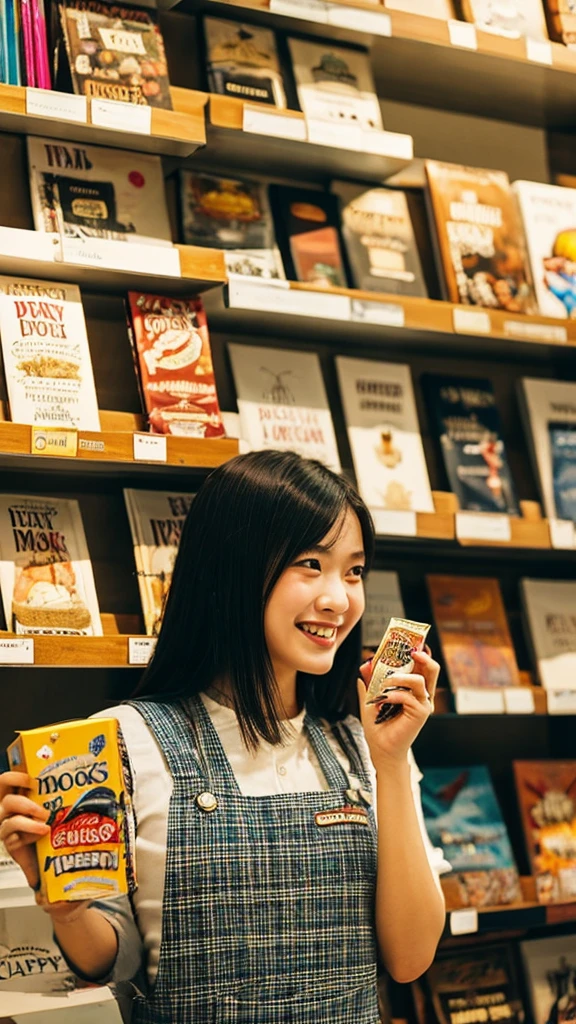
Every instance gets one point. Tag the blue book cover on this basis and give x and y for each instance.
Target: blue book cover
(3, 43)
(463, 817)
(563, 456)
(13, 42)
(468, 425)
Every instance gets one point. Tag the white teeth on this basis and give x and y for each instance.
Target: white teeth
(324, 631)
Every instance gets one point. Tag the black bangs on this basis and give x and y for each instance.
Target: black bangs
(250, 520)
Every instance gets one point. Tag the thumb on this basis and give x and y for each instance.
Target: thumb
(366, 672)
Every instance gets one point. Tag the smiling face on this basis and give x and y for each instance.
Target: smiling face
(315, 604)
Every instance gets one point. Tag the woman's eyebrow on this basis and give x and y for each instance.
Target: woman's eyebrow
(325, 549)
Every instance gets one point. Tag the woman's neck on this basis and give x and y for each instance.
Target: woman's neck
(288, 705)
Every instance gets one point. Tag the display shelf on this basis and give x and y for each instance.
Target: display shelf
(444, 701)
(112, 650)
(177, 132)
(522, 916)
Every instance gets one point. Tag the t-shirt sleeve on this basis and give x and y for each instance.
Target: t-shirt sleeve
(130, 949)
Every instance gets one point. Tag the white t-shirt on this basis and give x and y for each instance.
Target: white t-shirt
(290, 768)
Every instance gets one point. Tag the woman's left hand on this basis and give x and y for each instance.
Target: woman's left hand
(389, 741)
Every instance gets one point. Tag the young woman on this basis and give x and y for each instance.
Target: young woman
(257, 904)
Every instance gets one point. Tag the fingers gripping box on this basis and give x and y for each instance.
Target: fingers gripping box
(80, 775)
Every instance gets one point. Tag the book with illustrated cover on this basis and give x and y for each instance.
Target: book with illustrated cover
(384, 434)
(379, 239)
(242, 61)
(47, 363)
(231, 214)
(46, 575)
(561, 18)
(432, 8)
(83, 191)
(383, 602)
(513, 18)
(549, 216)
(478, 230)
(115, 52)
(468, 428)
(307, 227)
(550, 611)
(335, 84)
(462, 816)
(156, 519)
(172, 353)
(476, 985)
(473, 630)
(546, 793)
(550, 971)
(282, 402)
(30, 960)
(548, 408)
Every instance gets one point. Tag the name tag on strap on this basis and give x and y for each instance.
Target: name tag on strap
(342, 816)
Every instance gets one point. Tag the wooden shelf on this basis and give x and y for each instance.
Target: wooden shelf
(522, 916)
(107, 651)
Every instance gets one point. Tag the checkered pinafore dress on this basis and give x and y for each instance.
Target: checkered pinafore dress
(268, 917)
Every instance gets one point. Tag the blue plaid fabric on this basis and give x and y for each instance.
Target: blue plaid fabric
(268, 918)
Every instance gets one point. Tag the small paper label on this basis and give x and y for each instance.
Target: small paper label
(54, 441)
(265, 122)
(330, 133)
(305, 10)
(278, 297)
(135, 118)
(231, 421)
(471, 701)
(519, 700)
(127, 257)
(375, 23)
(394, 145)
(561, 702)
(16, 652)
(471, 321)
(385, 314)
(462, 33)
(483, 526)
(140, 649)
(562, 534)
(536, 331)
(539, 51)
(398, 524)
(150, 448)
(464, 922)
(63, 106)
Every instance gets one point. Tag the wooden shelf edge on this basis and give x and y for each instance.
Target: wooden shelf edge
(77, 651)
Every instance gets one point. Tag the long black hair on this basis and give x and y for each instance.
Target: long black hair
(250, 520)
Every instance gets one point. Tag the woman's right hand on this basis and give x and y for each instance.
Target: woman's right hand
(22, 823)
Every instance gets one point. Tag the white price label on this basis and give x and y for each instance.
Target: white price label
(140, 649)
(471, 701)
(519, 700)
(393, 145)
(385, 314)
(464, 922)
(265, 122)
(135, 118)
(536, 332)
(398, 524)
(305, 10)
(16, 652)
(471, 321)
(278, 297)
(63, 106)
(483, 526)
(561, 702)
(539, 51)
(18, 243)
(125, 257)
(330, 133)
(150, 448)
(462, 33)
(375, 23)
(562, 535)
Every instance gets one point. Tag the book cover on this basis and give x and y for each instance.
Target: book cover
(231, 214)
(307, 227)
(473, 630)
(546, 793)
(549, 217)
(432, 8)
(242, 61)
(462, 815)
(550, 612)
(479, 235)
(383, 602)
(46, 575)
(550, 971)
(13, 42)
(47, 364)
(379, 239)
(563, 455)
(384, 434)
(156, 519)
(480, 984)
(282, 402)
(561, 19)
(174, 359)
(512, 19)
(86, 191)
(30, 960)
(335, 84)
(42, 66)
(467, 422)
(28, 42)
(542, 403)
(115, 52)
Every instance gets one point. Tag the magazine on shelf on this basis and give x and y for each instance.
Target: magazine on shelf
(513, 18)
(480, 984)
(562, 439)
(550, 971)
(46, 575)
(307, 227)
(242, 61)
(468, 428)
(15, 74)
(549, 217)
(547, 407)
(115, 52)
(561, 18)
(30, 960)
(383, 602)
(379, 239)
(282, 402)
(47, 364)
(480, 242)
(463, 817)
(156, 519)
(384, 434)
(171, 347)
(474, 635)
(550, 615)
(83, 191)
(231, 214)
(335, 84)
(546, 792)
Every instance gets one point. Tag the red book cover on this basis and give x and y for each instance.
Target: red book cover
(172, 348)
(546, 793)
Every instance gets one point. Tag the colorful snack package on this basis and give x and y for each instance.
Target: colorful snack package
(394, 655)
(80, 775)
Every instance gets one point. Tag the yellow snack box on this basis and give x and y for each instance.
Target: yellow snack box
(78, 776)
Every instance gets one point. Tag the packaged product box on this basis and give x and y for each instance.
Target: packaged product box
(79, 774)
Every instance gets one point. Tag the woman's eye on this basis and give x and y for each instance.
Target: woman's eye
(310, 563)
(358, 570)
